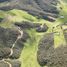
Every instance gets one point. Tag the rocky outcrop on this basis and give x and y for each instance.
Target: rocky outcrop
(45, 44)
(29, 25)
(8, 37)
(45, 9)
(42, 28)
(12, 41)
(50, 56)
(11, 45)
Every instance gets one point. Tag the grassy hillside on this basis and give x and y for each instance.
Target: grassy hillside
(29, 53)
